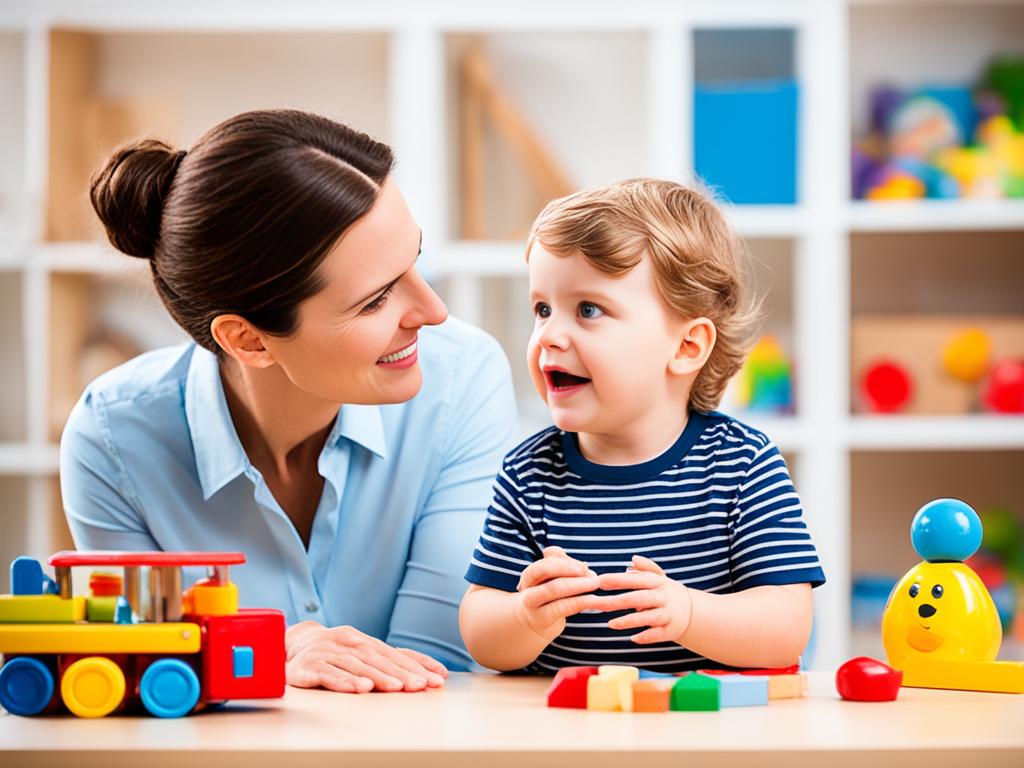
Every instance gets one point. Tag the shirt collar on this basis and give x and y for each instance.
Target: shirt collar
(220, 457)
(362, 425)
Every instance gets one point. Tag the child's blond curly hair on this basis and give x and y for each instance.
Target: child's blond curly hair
(699, 265)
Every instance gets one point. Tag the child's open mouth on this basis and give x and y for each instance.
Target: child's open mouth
(562, 382)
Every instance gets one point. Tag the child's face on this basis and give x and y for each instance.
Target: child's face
(602, 347)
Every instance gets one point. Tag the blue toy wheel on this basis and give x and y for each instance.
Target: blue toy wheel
(946, 530)
(26, 686)
(169, 688)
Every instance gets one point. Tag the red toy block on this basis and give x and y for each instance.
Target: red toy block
(261, 631)
(776, 671)
(569, 688)
(866, 679)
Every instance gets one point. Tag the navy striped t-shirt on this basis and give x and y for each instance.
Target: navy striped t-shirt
(717, 511)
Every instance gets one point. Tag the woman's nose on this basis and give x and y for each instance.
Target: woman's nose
(427, 309)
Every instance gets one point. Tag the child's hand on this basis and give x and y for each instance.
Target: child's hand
(658, 602)
(552, 589)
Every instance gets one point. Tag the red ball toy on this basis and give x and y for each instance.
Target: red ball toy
(866, 679)
(1005, 390)
(887, 387)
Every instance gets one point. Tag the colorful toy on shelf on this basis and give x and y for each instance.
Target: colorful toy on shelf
(943, 142)
(866, 679)
(1004, 391)
(940, 626)
(766, 379)
(617, 688)
(966, 355)
(113, 650)
(886, 387)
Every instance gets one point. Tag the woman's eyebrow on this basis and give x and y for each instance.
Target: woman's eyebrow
(383, 288)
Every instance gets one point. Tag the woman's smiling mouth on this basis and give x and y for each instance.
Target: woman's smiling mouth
(402, 358)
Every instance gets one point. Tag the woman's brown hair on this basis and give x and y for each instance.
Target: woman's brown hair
(239, 223)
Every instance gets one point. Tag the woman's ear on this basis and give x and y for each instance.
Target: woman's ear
(241, 340)
(695, 345)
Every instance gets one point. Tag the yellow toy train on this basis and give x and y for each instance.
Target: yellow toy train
(168, 650)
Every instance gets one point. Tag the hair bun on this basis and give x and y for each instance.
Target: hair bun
(129, 191)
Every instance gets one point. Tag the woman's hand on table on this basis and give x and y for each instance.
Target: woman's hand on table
(347, 660)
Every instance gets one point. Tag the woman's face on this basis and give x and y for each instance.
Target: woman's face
(356, 339)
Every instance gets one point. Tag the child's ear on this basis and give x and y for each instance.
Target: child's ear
(241, 340)
(695, 345)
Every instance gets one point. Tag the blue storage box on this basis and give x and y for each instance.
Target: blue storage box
(745, 140)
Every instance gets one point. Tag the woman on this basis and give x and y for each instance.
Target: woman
(297, 427)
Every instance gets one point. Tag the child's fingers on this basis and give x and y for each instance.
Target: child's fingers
(652, 635)
(630, 580)
(638, 600)
(536, 597)
(656, 617)
(554, 552)
(561, 609)
(552, 568)
(641, 563)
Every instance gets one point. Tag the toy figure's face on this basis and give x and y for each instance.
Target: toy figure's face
(942, 610)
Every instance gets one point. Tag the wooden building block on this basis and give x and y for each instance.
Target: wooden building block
(787, 686)
(569, 688)
(652, 694)
(742, 691)
(695, 693)
(41, 609)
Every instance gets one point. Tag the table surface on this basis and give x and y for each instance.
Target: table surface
(498, 721)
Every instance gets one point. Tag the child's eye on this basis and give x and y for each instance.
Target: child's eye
(542, 310)
(589, 311)
(377, 303)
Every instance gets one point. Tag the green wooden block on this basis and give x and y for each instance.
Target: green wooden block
(100, 608)
(695, 693)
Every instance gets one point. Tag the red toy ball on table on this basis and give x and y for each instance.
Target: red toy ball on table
(866, 679)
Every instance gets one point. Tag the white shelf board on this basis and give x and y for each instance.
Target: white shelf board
(926, 433)
(574, 15)
(767, 220)
(26, 459)
(12, 253)
(935, 215)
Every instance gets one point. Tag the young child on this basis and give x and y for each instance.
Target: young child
(643, 528)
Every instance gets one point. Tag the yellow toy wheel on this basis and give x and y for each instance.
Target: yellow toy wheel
(92, 687)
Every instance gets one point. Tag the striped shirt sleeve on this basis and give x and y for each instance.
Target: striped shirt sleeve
(770, 543)
(507, 545)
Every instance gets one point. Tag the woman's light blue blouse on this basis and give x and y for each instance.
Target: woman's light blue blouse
(150, 460)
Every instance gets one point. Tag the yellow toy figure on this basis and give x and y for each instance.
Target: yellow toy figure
(940, 625)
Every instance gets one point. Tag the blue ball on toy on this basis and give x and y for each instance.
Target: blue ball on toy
(946, 530)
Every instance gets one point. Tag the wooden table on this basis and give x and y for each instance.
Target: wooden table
(487, 721)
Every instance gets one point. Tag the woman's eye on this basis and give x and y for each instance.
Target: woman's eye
(542, 310)
(914, 589)
(377, 303)
(589, 311)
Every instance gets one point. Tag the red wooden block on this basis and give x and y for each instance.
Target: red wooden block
(569, 688)
(866, 679)
(777, 671)
(262, 630)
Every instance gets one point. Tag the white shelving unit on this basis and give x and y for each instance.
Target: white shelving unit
(408, 43)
